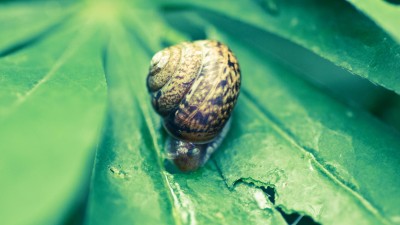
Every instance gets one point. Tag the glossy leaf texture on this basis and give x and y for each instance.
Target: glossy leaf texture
(331, 29)
(333, 144)
(74, 105)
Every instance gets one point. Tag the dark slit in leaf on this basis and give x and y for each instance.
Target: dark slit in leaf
(270, 191)
(296, 218)
(292, 218)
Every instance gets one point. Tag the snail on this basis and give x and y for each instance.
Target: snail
(194, 87)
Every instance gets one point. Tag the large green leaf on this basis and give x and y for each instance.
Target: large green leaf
(52, 100)
(337, 141)
(292, 151)
(332, 29)
(129, 175)
(342, 144)
(275, 157)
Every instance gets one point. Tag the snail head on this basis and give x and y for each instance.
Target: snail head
(187, 156)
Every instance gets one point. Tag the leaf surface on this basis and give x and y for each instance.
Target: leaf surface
(298, 133)
(292, 149)
(261, 152)
(17, 21)
(350, 40)
(384, 13)
(130, 176)
(52, 107)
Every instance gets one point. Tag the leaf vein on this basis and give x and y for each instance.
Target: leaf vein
(286, 134)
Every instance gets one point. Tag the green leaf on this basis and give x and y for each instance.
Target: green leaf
(122, 172)
(129, 175)
(386, 14)
(292, 151)
(52, 106)
(306, 144)
(22, 31)
(126, 174)
(348, 38)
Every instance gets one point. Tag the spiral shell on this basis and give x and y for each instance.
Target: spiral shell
(194, 87)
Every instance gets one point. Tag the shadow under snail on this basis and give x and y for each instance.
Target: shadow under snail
(194, 87)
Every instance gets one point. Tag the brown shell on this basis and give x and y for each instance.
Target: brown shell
(194, 87)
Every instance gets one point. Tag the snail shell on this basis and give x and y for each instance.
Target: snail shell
(194, 86)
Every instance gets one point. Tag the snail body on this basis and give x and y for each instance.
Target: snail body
(194, 86)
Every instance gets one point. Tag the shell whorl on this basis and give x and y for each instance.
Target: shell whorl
(194, 87)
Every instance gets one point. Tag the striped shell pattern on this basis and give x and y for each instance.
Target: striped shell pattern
(194, 86)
